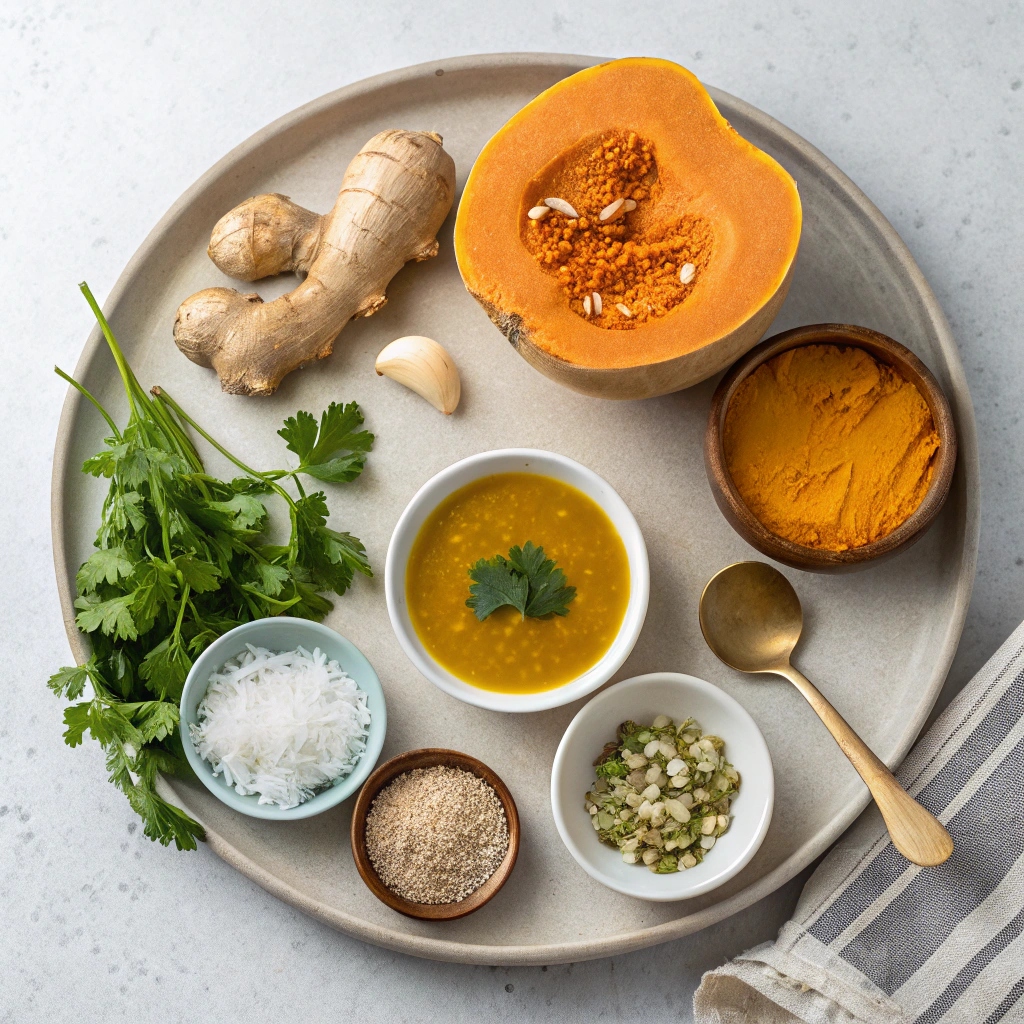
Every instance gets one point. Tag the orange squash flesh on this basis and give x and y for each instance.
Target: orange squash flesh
(705, 170)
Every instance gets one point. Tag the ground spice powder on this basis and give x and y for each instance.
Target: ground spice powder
(828, 447)
(633, 259)
(435, 835)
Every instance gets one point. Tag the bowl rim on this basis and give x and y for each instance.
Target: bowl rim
(439, 487)
(430, 757)
(325, 799)
(799, 556)
(733, 708)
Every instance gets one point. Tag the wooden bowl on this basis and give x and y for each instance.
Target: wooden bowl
(432, 757)
(743, 520)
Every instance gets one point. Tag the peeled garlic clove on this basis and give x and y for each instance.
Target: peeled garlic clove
(423, 366)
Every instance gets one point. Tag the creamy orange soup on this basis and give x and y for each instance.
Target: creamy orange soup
(506, 652)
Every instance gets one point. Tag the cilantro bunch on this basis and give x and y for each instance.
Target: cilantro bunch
(180, 559)
(526, 580)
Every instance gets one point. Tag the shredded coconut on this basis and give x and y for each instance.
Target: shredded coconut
(282, 725)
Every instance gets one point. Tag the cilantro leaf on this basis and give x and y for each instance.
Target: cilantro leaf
(76, 718)
(69, 682)
(105, 721)
(113, 617)
(299, 432)
(329, 558)
(156, 591)
(526, 580)
(334, 452)
(495, 584)
(549, 595)
(140, 463)
(122, 671)
(248, 485)
(341, 470)
(163, 821)
(310, 604)
(106, 565)
(247, 512)
(123, 509)
(529, 560)
(155, 719)
(105, 462)
(165, 667)
(200, 575)
(338, 433)
(272, 578)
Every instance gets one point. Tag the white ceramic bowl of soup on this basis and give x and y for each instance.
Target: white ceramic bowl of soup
(517, 460)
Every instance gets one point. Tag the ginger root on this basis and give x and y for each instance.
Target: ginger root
(396, 193)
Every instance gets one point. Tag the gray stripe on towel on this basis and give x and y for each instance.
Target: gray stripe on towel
(1012, 997)
(967, 974)
(991, 731)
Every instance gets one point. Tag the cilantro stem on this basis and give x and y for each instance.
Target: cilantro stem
(178, 440)
(131, 385)
(176, 436)
(181, 610)
(283, 605)
(162, 396)
(85, 394)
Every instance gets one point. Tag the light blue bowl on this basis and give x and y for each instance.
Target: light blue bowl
(284, 634)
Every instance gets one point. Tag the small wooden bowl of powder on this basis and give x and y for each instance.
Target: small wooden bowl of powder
(829, 447)
(435, 834)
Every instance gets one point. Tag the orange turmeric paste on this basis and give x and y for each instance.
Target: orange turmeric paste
(632, 259)
(828, 447)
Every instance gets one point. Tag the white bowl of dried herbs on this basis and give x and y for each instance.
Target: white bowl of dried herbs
(662, 787)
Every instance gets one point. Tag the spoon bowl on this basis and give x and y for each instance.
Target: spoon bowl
(751, 617)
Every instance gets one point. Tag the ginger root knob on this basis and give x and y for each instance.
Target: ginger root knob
(264, 236)
(396, 193)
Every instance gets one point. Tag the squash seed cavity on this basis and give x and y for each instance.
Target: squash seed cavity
(620, 260)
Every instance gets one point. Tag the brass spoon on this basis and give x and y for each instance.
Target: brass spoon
(751, 618)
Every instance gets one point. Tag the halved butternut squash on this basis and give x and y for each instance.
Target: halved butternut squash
(621, 234)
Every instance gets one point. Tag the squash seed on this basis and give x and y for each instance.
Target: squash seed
(624, 310)
(686, 272)
(597, 304)
(562, 207)
(539, 212)
(611, 209)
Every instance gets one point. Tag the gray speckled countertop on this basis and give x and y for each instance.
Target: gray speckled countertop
(111, 110)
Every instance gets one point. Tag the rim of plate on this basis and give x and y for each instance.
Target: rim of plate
(760, 753)
(512, 460)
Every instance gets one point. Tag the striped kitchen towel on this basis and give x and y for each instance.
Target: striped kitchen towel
(876, 939)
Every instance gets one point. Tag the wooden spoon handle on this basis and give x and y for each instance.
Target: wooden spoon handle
(914, 831)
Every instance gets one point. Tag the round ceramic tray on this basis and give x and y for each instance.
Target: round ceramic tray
(878, 643)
